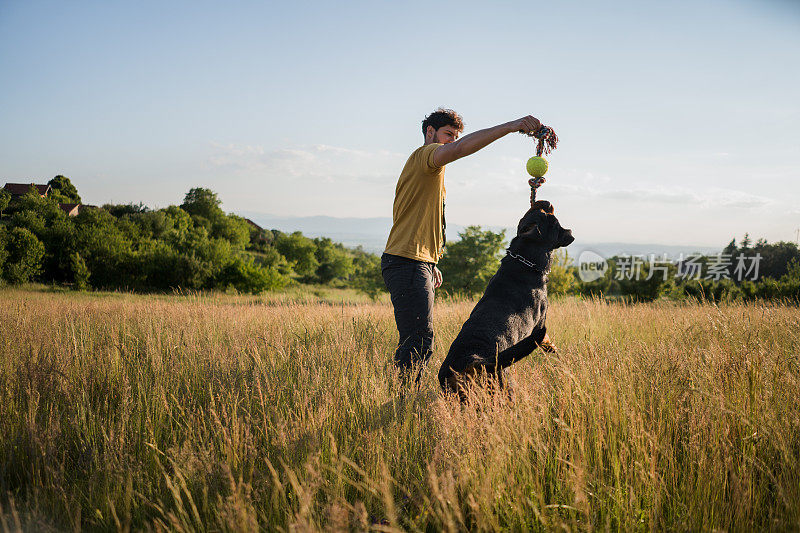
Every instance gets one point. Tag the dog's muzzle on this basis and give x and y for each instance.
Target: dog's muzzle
(566, 238)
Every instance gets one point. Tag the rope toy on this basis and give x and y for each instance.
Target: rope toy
(537, 165)
(547, 140)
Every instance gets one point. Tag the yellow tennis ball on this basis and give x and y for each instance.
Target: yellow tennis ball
(537, 166)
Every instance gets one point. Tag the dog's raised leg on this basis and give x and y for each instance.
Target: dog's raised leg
(522, 349)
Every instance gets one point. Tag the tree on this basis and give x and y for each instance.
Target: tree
(52, 227)
(773, 261)
(246, 276)
(469, 263)
(63, 191)
(233, 229)
(642, 280)
(80, 271)
(731, 248)
(601, 286)
(300, 251)
(775, 258)
(3, 244)
(120, 210)
(334, 261)
(746, 242)
(561, 280)
(203, 202)
(108, 253)
(260, 240)
(367, 276)
(5, 198)
(25, 254)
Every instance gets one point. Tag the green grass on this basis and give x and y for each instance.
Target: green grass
(214, 412)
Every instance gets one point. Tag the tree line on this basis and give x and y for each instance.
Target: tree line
(744, 271)
(196, 245)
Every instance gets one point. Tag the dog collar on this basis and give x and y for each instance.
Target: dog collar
(524, 261)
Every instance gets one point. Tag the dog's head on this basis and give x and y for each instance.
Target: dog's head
(540, 227)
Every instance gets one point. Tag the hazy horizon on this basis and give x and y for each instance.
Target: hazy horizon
(352, 232)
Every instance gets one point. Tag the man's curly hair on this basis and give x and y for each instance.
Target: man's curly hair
(443, 117)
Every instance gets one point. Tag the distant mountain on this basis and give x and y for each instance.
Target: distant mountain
(610, 249)
(371, 234)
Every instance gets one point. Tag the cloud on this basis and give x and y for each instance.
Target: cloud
(708, 198)
(739, 199)
(650, 195)
(318, 162)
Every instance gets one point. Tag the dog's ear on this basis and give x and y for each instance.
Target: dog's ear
(533, 234)
(544, 206)
(533, 217)
(535, 228)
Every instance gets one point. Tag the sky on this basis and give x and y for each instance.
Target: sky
(677, 120)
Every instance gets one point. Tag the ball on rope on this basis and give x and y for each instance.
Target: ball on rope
(537, 166)
(547, 140)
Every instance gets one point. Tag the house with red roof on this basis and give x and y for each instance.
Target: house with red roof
(20, 189)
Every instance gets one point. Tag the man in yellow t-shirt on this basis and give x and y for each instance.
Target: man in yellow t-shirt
(416, 241)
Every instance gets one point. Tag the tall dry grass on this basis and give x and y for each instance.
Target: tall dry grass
(122, 412)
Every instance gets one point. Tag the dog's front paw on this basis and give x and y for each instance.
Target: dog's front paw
(547, 346)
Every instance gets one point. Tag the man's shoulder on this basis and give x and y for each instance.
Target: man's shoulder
(429, 147)
(423, 156)
(426, 147)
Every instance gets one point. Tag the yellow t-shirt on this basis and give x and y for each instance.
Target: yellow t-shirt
(418, 208)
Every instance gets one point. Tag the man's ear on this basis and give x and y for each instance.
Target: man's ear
(430, 133)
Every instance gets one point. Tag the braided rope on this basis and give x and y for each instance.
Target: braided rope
(547, 142)
(535, 183)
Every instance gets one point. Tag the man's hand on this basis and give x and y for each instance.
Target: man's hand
(469, 144)
(529, 124)
(437, 278)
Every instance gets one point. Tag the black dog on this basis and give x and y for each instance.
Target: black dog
(508, 322)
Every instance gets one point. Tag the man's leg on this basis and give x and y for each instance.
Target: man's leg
(410, 285)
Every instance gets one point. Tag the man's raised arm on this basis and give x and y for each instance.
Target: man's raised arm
(469, 144)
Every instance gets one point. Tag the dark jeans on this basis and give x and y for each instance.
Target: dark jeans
(410, 285)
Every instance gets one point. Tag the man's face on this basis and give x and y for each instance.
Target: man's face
(444, 135)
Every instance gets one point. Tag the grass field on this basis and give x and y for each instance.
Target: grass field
(225, 413)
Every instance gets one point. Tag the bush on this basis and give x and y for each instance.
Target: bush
(300, 252)
(5, 198)
(469, 263)
(561, 279)
(203, 202)
(121, 210)
(335, 262)
(108, 253)
(233, 229)
(367, 276)
(3, 251)
(246, 276)
(25, 254)
(80, 272)
(63, 191)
